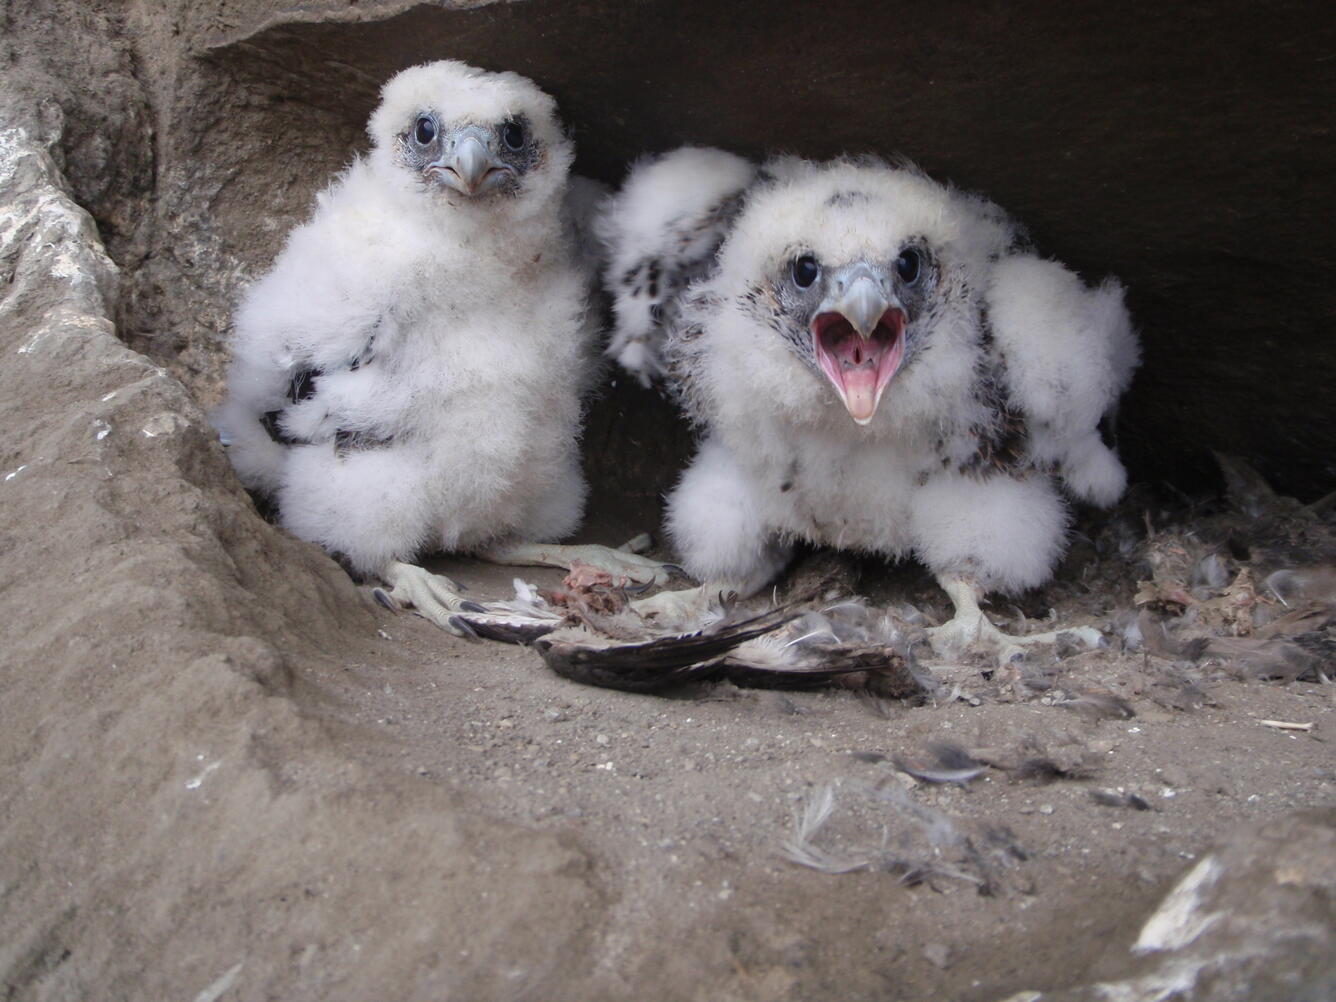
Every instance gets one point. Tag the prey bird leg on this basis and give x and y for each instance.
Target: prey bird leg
(618, 563)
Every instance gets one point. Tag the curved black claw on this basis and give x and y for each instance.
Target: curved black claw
(384, 598)
(465, 628)
(470, 606)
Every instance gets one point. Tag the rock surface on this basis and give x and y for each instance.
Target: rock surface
(225, 775)
(1253, 921)
(171, 822)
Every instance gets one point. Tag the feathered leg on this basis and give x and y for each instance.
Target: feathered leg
(717, 528)
(373, 508)
(995, 534)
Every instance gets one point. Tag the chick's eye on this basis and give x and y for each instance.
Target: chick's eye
(424, 131)
(907, 266)
(805, 271)
(512, 134)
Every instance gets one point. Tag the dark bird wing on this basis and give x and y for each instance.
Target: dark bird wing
(651, 665)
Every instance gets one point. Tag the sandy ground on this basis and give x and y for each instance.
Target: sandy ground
(687, 801)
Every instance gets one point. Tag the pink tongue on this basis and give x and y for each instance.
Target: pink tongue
(860, 391)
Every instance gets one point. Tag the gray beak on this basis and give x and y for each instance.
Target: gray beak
(863, 304)
(471, 163)
(468, 164)
(859, 294)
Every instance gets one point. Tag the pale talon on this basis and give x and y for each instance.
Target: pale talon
(970, 630)
(432, 596)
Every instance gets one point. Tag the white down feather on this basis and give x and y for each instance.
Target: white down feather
(470, 320)
(782, 460)
(660, 227)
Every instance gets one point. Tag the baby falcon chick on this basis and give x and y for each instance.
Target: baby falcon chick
(878, 362)
(410, 374)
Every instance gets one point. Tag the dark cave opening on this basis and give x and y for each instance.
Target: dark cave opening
(1182, 150)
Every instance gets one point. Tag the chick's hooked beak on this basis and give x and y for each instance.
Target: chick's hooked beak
(468, 164)
(858, 334)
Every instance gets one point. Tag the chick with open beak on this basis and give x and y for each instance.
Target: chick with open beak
(858, 336)
(859, 313)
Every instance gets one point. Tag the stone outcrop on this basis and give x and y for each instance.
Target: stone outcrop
(169, 819)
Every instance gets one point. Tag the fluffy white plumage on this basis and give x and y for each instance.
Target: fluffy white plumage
(878, 362)
(410, 374)
(661, 231)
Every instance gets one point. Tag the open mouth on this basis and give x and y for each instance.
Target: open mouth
(859, 367)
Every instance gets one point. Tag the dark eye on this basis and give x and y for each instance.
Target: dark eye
(425, 131)
(512, 134)
(907, 265)
(805, 271)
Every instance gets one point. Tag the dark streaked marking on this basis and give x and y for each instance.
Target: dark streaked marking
(269, 422)
(1108, 431)
(843, 198)
(301, 384)
(346, 442)
(985, 327)
(1003, 441)
(367, 354)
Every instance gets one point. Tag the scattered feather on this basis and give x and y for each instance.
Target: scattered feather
(878, 706)
(868, 756)
(917, 844)
(1261, 658)
(1099, 706)
(948, 763)
(1041, 770)
(799, 848)
(1286, 725)
(1117, 798)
